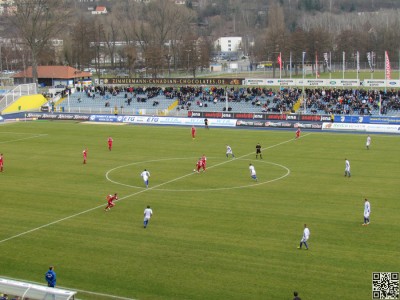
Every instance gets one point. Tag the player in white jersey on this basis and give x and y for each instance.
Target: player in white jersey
(148, 213)
(368, 143)
(145, 175)
(367, 211)
(253, 173)
(306, 236)
(229, 151)
(347, 168)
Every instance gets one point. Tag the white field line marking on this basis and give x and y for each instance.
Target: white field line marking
(27, 138)
(8, 132)
(72, 289)
(200, 190)
(128, 196)
(224, 162)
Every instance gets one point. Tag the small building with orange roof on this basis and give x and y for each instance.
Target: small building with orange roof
(52, 76)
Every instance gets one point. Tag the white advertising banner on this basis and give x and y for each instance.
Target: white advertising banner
(344, 82)
(287, 82)
(290, 82)
(344, 126)
(383, 128)
(255, 81)
(178, 121)
(323, 82)
(381, 83)
(374, 82)
(272, 82)
(316, 82)
(393, 83)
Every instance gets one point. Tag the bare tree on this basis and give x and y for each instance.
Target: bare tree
(160, 32)
(276, 34)
(36, 22)
(111, 34)
(96, 44)
(127, 21)
(82, 33)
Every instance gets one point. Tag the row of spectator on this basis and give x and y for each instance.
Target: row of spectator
(319, 100)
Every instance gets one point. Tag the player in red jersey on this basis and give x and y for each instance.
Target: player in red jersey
(110, 142)
(298, 132)
(193, 132)
(204, 162)
(199, 165)
(1, 162)
(84, 153)
(110, 201)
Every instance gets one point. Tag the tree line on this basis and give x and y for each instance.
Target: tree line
(164, 37)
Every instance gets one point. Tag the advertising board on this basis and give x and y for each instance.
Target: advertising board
(56, 116)
(382, 128)
(352, 119)
(277, 124)
(105, 118)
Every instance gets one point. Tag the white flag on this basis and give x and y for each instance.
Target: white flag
(326, 58)
(369, 60)
(344, 61)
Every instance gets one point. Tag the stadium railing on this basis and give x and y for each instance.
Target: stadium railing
(32, 291)
(16, 93)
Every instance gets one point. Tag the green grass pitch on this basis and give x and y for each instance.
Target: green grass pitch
(214, 235)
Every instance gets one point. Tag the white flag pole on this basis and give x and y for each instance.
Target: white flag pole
(304, 94)
(344, 59)
(358, 64)
(226, 99)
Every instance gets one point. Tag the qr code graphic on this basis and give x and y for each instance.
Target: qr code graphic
(385, 285)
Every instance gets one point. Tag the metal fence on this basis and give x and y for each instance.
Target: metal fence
(19, 91)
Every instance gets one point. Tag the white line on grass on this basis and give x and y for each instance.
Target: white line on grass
(199, 190)
(128, 196)
(72, 289)
(27, 138)
(8, 132)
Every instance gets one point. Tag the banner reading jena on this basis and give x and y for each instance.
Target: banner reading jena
(174, 81)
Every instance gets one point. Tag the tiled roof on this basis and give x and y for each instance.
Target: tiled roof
(101, 8)
(61, 72)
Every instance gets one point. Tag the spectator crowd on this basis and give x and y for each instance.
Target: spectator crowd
(317, 100)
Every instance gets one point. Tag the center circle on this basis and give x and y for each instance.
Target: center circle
(159, 187)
